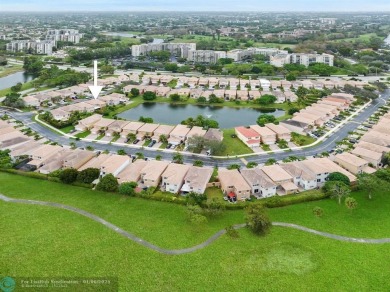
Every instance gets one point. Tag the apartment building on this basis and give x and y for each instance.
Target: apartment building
(66, 35)
(41, 47)
(303, 59)
(181, 49)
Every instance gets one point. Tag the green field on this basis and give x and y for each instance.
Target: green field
(43, 241)
(27, 85)
(4, 71)
(274, 45)
(234, 146)
(364, 38)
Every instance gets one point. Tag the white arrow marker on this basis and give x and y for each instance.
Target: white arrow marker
(95, 89)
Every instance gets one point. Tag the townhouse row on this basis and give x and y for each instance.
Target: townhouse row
(175, 134)
(253, 135)
(317, 114)
(228, 94)
(283, 179)
(236, 83)
(170, 177)
(89, 106)
(368, 154)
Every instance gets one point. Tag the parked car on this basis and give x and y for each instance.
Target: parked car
(136, 141)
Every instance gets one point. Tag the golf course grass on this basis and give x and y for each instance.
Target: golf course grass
(44, 241)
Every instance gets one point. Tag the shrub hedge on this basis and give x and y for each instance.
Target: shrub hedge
(272, 202)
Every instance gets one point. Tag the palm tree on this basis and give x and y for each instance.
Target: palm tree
(140, 155)
(178, 158)
(340, 190)
(131, 136)
(163, 138)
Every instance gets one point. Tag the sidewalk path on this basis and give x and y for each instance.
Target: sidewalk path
(190, 249)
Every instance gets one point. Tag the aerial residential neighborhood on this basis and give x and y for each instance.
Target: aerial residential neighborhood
(178, 146)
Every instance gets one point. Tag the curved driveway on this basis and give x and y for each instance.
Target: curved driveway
(214, 237)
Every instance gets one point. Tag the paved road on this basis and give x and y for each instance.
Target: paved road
(328, 144)
(204, 244)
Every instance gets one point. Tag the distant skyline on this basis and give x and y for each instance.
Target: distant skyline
(199, 5)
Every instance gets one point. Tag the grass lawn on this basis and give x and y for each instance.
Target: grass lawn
(5, 71)
(70, 245)
(25, 86)
(234, 146)
(67, 129)
(83, 134)
(163, 145)
(274, 45)
(302, 140)
(364, 37)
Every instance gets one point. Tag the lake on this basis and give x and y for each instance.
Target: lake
(13, 79)
(170, 114)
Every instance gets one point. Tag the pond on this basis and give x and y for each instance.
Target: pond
(13, 79)
(170, 114)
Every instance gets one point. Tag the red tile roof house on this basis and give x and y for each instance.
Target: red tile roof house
(254, 94)
(233, 184)
(131, 128)
(375, 158)
(116, 127)
(196, 180)
(102, 125)
(261, 185)
(282, 133)
(231, 94)
(219, 93)
(196, 92)
(87, 123)
(249, 136)
(132, 172)
(203, 81)
(178, 134)
(162, 130)
(114, 165)
(173, 177)
(281, 178)
(163, 91)
(146, 131)
(353, 163)
(212, 82)
(165, 79)
(267, 136)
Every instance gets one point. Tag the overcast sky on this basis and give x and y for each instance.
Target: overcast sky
(197, 5)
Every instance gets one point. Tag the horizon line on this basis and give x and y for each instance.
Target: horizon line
(191, 11)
